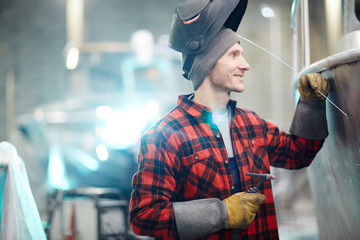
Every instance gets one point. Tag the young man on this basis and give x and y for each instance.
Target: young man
(192, 178)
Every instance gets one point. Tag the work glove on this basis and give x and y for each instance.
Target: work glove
(242, 207)
(310, 84)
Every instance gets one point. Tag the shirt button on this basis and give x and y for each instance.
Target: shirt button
(218, 135)
(196, 157)
(232, 187)
(252, 142)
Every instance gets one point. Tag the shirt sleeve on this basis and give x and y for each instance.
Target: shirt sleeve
(289, 151)
(154, 186)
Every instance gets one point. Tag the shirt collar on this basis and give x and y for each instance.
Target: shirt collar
(195, 109)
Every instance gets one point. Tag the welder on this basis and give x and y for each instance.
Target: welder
(192, 179)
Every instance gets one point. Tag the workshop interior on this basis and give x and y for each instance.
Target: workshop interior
(81, 80)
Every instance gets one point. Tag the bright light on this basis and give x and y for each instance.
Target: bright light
(142, 43)
(104, 112)
(102, 152)
(152, 109)
(218, 118)
(123, 129)
(81, 158)
(103, 133)
(56, 169)
(72, 58)
(267, 12)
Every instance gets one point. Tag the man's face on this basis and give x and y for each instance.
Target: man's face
(227, 74)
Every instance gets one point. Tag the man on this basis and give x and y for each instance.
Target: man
(192, 178)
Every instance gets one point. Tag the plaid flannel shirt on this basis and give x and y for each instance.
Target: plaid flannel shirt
(183, 157)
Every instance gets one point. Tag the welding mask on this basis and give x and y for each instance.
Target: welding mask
(196, 22)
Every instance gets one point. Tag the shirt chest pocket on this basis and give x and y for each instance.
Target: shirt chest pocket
(201, 175)
(256, 155)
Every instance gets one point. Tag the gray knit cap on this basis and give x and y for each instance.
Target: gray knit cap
(204, 61)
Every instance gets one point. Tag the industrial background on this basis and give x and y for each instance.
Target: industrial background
(81, 79)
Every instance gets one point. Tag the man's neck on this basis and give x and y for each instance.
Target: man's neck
(216, 101)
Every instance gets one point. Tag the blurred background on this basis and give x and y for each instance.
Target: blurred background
(81, 80)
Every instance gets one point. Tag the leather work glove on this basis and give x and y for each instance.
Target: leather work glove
(310, 83)
(242, 207)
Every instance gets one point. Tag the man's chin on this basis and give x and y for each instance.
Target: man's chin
(239, 90)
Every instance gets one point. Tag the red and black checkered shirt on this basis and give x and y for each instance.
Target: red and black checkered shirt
(183, 157)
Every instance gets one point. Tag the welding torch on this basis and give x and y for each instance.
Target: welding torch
(263, 178)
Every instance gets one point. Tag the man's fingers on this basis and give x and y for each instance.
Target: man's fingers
(313, 79)
(256, 198)
(303, 81)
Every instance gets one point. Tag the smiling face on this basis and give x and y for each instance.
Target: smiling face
(228, 72)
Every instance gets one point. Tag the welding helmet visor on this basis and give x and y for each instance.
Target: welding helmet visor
(196, 22)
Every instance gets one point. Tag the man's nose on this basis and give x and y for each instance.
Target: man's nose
(244, 65)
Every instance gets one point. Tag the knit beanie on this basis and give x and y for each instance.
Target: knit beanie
(204, 61)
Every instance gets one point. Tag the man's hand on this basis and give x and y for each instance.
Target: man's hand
(242, 208)
(310, 85)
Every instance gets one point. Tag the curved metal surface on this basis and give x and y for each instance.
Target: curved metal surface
(333, 61)
(324, 65)
(334, 176)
